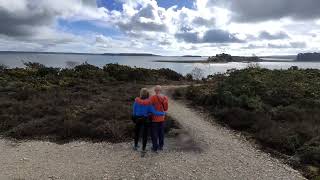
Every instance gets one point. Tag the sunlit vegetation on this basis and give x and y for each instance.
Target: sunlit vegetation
(280, 108)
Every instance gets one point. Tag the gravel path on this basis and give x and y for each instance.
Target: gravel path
(208, 152)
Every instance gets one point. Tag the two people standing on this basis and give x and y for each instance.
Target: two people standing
(149, 114)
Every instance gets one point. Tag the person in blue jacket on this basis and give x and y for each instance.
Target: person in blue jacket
(142, 111)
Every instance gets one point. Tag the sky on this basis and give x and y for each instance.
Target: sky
(164, 27)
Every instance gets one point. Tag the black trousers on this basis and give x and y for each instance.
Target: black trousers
(143, 125)
(157, 135)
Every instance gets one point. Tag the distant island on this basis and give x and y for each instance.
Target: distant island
(225, 58)
(308, 57)
(219, 58)
(285, 57)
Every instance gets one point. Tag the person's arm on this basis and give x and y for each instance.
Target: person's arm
(143, 102)
(155, 112)
(166, 103)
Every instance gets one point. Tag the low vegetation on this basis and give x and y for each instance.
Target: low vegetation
(280, 108)
(85, 102)
(308, 57)
(225, 58)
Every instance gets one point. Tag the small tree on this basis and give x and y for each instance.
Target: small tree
(253, 66)
(197, 73)
(189, 77)
(33, 65)
(294, 68)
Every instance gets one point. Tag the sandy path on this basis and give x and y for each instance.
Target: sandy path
(224, 155)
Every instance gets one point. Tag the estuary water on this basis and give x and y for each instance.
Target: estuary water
(65, 60)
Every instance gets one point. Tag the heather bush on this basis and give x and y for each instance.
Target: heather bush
(84, 102)
(127, 73)
(280, 108)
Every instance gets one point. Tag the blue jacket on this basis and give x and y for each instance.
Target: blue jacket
(145, 110)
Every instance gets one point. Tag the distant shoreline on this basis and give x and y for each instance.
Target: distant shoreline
(177, 61)
(73, 53)
(208, 62)
(285, 58)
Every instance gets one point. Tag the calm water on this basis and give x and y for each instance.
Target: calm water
(60, 60)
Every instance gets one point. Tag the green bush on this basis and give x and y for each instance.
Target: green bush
(240, 119)
(189, 77)
(126, 73)
(280, 108)
(64, 104)
(310, 152)
(170, 74)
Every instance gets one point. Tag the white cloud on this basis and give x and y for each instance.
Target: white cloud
(208, 29)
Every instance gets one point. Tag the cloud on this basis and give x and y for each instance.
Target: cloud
(200, 21)
(262, 10)
(297, 45)
(35, 21)
(219, 36)
(280, 45)
(32, 24)
(189, 37)
(269, 36)
(210, 36)
(146, 17)
(25, 19)
(253, 46)
(141, 25)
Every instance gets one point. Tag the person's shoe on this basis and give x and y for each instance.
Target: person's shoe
(143, 153)
(160, 148)
(154, 150)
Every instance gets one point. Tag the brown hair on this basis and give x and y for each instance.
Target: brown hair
(144, 94)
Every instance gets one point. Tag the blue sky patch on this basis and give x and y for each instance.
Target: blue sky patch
(117, 4)
(110, 4)
(180, 3)
(80, 27)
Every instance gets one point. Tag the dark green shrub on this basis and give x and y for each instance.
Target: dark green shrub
(126, 73)
(178, 93)
(170, 74)
(192, 92)
(189, 77)
(88, 71)
(33, 65)
(310, 152)
(280, 108)
(239, 119)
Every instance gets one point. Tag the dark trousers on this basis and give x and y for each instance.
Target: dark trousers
(157, 135)
(144, 126)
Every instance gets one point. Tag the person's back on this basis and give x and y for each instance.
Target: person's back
(144, 108)
(160, 103)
